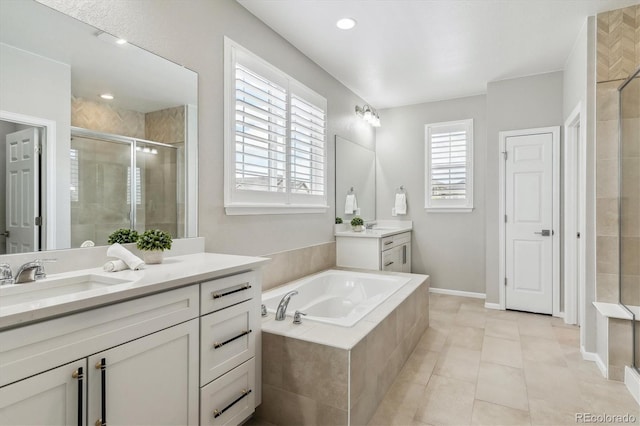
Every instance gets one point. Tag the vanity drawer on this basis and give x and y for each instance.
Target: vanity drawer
(395, 240)
(231, 398)
(227, 339)
(228, 291)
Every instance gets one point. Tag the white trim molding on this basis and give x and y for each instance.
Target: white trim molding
(458, 293)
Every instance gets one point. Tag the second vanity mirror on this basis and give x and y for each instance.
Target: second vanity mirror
(113, 127)
(355, 175)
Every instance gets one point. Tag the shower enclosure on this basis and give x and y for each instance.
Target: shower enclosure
(122, 182)
(629, 205)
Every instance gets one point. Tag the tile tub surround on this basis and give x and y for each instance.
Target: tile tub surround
(321, 374)
(290, 265)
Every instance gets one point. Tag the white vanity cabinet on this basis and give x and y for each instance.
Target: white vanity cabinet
(229, 348)
(370, 251)
(54, 397)
(118, 377)
(396, 253)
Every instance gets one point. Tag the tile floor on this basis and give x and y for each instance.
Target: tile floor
(477, 366)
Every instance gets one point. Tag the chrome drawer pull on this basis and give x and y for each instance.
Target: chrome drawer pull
(388, 263)
(388, 242)
(218, 413)
(247, 286)
(217, 345)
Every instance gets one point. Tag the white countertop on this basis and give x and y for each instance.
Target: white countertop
(174, 272)
(380, 229)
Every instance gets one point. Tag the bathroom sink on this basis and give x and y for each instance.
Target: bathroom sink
(54, 287)
(384, 228)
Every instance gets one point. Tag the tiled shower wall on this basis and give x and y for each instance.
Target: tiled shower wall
(618, 55)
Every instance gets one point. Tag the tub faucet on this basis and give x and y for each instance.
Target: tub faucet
(281, 312)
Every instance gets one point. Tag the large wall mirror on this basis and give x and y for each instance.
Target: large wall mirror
(356, 176)
(96, 133)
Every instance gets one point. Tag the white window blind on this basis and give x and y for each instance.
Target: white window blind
(75, 175)
(449, 165)
(275, 139)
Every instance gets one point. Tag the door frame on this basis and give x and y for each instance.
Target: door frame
(555, 131)
(48, 202)
(575, 190)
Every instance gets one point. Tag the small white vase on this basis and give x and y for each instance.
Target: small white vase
(357, 228)
(152, 257)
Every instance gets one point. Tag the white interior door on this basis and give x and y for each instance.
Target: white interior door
(529, 233)
(22, 165)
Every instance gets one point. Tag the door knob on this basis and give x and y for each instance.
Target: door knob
(544, 232)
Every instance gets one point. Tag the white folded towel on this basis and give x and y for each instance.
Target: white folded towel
(115, 266)
(401, 204)
(132, 261)
(351, 204)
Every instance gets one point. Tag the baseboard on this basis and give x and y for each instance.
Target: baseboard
(592, 356)
(458, 293)
(492, 305)
(632, 382)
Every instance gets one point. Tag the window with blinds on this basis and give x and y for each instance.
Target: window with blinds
(449, 165)
(275, 139)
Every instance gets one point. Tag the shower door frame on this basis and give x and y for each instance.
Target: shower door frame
(132, 142)
(634, 75)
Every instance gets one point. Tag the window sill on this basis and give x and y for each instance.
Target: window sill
(262, 209)
(449, 209)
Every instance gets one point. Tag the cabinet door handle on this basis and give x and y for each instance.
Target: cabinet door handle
(404, 255)
(218, 413)
(78, 374)
(102, 365)
(388, 263)
(217, 345)
(246, 286)
(388, 242)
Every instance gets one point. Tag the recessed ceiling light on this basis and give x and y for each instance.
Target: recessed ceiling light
(346, 23)
(121, 41)
(107, 96)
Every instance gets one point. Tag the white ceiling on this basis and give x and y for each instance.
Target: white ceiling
(404, 52)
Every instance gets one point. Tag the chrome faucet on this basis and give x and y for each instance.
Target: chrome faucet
(281, 312)
(28, 272)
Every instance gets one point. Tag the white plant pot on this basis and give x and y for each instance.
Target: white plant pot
(152, 257)
(358, 228)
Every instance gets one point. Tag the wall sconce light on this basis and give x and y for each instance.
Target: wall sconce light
(368, 114)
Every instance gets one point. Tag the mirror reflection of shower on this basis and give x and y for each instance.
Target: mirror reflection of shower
(122, 182)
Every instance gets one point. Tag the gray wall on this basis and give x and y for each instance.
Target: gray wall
(26, 77)
(193, 36)
(577, 79)
(520, 103)
(447, 246)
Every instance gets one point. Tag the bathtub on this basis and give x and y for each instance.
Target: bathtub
(335, 297)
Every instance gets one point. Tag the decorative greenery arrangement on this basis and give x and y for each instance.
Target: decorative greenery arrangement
(123, 236)
(338, 220)
(154, 239)
(357, 221)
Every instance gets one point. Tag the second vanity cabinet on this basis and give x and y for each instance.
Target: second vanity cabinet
(181, 357)
(388, 253)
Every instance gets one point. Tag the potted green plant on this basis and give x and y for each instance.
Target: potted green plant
(123, 236)
(357, 224)
(338, 220)
(153, 243)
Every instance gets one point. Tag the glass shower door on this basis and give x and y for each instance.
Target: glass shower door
(630, 204)
(157, 188)
(100, 200)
